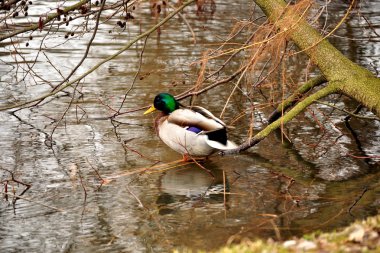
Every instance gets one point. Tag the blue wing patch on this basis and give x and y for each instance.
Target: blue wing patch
(194, 129)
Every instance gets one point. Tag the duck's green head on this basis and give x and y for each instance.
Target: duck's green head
(163, 102)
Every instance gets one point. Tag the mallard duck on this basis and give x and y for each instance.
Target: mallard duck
(191, 131)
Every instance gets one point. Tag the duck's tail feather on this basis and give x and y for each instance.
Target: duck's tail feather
(218, 140)
(219, 146)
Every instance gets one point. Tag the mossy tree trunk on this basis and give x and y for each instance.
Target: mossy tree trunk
(341, 74)
(346, 76)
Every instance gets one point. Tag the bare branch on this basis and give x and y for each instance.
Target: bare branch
(284, 119)
(295, 97)
(126, 47)
(43, 22)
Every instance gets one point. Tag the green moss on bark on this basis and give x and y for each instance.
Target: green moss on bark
(354, 80)
(290, 101)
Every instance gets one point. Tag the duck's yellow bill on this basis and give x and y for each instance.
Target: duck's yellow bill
(151, 109)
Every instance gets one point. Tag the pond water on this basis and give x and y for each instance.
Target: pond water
(151, 201)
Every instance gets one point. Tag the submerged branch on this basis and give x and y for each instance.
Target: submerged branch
(330, 89)
(33, 201)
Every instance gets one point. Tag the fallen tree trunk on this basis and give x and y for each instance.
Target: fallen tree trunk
(350, 78)
(342, 75)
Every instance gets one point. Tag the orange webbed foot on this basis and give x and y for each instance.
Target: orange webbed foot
(186, 158)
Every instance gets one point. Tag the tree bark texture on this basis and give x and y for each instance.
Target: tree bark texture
(347, 77)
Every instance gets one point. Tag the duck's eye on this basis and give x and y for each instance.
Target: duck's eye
(159, 103)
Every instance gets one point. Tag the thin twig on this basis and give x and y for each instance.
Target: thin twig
(330, 33)
(34, 202)
(224, 189)
(186, 23)
(49, 18)
(203, 168)
(134, 195)
(84, 188)
(87, 48)
(231, 56)
(357, 200)
(135, 77)
(348, 112)
(144, 169)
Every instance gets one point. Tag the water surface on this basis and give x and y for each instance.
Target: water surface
(275, 190)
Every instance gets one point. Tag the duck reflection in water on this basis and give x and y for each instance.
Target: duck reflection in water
(190, 186)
